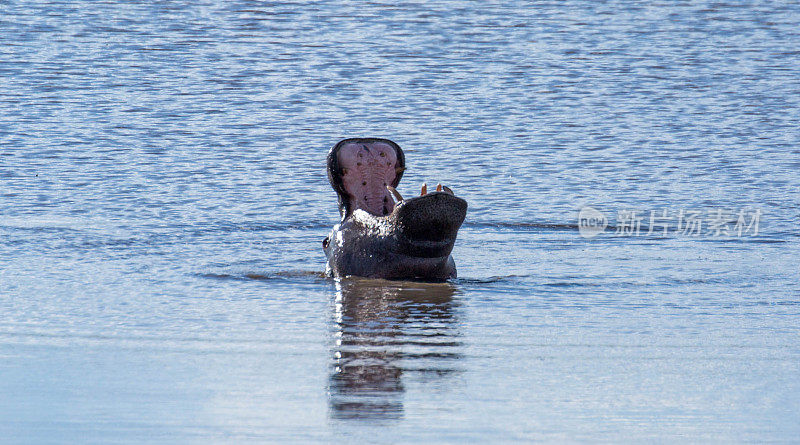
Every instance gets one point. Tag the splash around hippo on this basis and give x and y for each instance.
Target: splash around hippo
(377, 236)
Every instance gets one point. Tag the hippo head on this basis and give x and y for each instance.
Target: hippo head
(382, 238)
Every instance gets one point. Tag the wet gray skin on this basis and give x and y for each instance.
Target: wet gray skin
(378, 237)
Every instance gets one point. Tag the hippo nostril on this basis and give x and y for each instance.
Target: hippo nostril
(325, 242)
(364, 183)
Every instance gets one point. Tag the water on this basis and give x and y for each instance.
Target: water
(164, 200)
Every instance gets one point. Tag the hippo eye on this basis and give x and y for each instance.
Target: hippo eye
(383, 155)
(325, 242)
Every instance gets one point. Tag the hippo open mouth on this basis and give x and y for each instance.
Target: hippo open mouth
(360, 171)
(381, 234)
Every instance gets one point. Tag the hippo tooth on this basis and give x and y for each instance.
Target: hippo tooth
(439, 187)
(448, 190)
(424, 190)
(395, 193)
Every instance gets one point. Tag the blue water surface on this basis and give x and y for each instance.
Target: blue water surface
(163, 199)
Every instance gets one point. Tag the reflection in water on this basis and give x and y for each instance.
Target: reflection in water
(384, 331)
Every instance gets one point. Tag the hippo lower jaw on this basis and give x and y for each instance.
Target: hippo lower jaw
(414, 241)
(427, 226)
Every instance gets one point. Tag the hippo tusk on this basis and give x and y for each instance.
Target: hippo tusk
(394, 193)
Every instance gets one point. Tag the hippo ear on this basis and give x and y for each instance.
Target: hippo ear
(336, 171)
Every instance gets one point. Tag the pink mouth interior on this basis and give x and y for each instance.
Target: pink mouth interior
(367, 168)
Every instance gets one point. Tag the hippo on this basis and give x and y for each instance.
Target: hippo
(382, 235)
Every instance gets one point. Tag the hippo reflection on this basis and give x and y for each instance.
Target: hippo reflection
(379, 237)
(387, 333)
